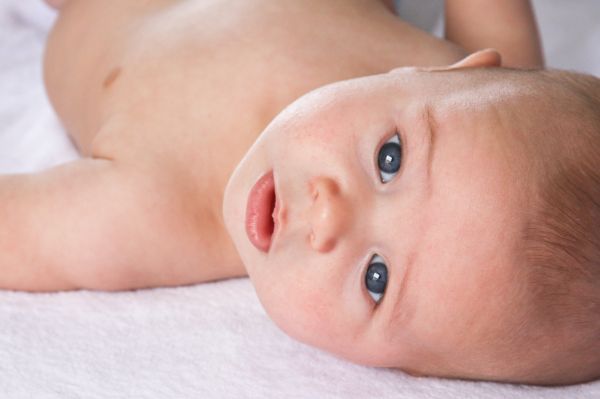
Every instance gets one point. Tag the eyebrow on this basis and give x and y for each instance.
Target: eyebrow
(399, 313)
(431, 128)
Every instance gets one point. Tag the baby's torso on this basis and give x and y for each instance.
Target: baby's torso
(184, 87)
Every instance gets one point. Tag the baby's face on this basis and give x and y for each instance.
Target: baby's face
(399, 200)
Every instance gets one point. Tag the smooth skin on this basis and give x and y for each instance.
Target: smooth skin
(165, 99)
(450, 305)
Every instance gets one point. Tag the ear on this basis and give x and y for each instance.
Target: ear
(479, 59)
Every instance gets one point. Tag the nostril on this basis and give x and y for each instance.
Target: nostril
(323, 186)
(326, 213)
(321, 243)
(314, 193)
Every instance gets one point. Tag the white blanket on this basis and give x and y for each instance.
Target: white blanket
(206, 341)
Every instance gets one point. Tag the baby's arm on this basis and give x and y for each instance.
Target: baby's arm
(92, 224)
(506, 25)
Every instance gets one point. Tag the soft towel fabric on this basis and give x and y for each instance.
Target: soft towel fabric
(207, 341)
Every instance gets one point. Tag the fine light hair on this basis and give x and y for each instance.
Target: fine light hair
(561, 238)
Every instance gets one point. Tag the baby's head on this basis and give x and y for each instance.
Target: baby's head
(445, 222)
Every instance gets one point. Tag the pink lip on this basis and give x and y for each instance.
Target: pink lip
(261, 210)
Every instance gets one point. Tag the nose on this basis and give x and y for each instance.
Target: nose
(328, 215)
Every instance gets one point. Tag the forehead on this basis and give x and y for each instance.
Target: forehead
(466, 259)
(466, 266)
(360, 98)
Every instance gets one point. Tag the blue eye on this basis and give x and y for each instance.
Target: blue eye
(376, 278)
(389, 159)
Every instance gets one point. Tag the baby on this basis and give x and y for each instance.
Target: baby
(438, 219)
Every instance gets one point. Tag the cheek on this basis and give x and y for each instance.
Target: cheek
(291, 306)
(304, 305)
(309, 146)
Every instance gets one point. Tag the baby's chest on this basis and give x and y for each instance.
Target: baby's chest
(200, 95)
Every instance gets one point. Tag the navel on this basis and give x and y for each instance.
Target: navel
(112, 76)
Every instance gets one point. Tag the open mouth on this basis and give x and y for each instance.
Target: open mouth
(260, 211)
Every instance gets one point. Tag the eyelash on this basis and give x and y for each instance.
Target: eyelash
(385, 177)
